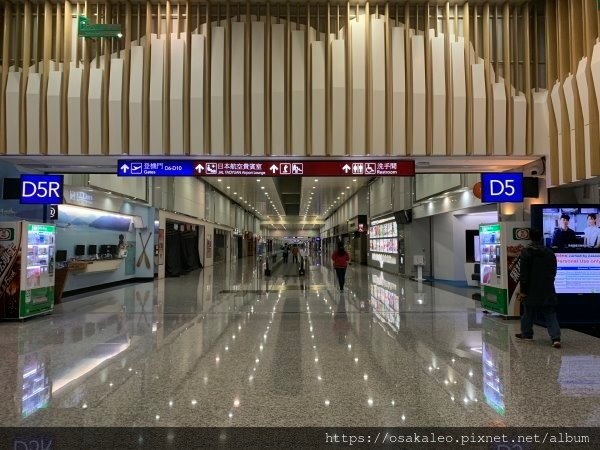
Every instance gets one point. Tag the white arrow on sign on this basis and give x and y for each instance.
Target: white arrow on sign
(125, 168)
(346, 168)
(199, 168)
(273, 168)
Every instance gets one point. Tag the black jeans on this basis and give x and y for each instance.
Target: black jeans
(549, 313)
(341, 275)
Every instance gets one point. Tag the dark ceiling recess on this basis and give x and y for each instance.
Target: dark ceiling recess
(289, 189)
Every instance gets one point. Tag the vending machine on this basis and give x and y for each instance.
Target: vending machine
(500, 246)
(27, 262)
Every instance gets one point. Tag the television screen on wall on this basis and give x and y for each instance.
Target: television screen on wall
(573, 233)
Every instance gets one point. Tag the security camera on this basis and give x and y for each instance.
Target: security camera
(535, 169)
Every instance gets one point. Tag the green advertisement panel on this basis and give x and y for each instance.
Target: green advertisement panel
(36, 301)
(495, 299)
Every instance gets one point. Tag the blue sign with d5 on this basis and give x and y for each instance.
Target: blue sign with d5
(41, 189)
(502, 187)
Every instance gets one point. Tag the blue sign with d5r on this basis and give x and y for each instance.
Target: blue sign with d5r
(502, 187)
(41, 189)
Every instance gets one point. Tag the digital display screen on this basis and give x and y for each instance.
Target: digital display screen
(573, 233)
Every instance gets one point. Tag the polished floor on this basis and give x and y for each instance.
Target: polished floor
(227, 347)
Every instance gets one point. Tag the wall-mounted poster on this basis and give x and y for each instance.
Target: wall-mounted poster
(161, 246)
(209, 247)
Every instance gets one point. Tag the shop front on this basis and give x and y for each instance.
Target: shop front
(357, 232)
(102, 239)
(386, 245)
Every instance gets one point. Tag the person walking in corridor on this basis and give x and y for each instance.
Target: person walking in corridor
(295, 252)
(340, 259)
(538, 270)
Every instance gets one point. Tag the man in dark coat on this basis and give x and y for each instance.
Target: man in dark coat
(538, 270)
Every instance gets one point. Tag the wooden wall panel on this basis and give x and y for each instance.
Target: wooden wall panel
(438, 95)
(53, 110)
(197, 95)
(338, 97)
(217, 91)
(33, 111)
(459, 99)
(278, 89)
(318, 145)
(298, 92)
(257, 95)
(378, 93)
(156, 97)
(238, 31)
(12, 99)
(541, 123)
(582, 88)
(419, 131)
(115, 110)
(176, 94)
(359, 86)
(256, 87)
(74, 110)
(480, 108)
(595, 78)
(95, 116)
(398, 92)
(136, 100)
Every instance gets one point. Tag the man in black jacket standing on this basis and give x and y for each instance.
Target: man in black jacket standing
(538, 270)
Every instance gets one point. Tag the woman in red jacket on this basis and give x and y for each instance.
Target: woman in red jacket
(340, 259)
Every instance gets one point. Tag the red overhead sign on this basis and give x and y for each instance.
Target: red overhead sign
(282, 168)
